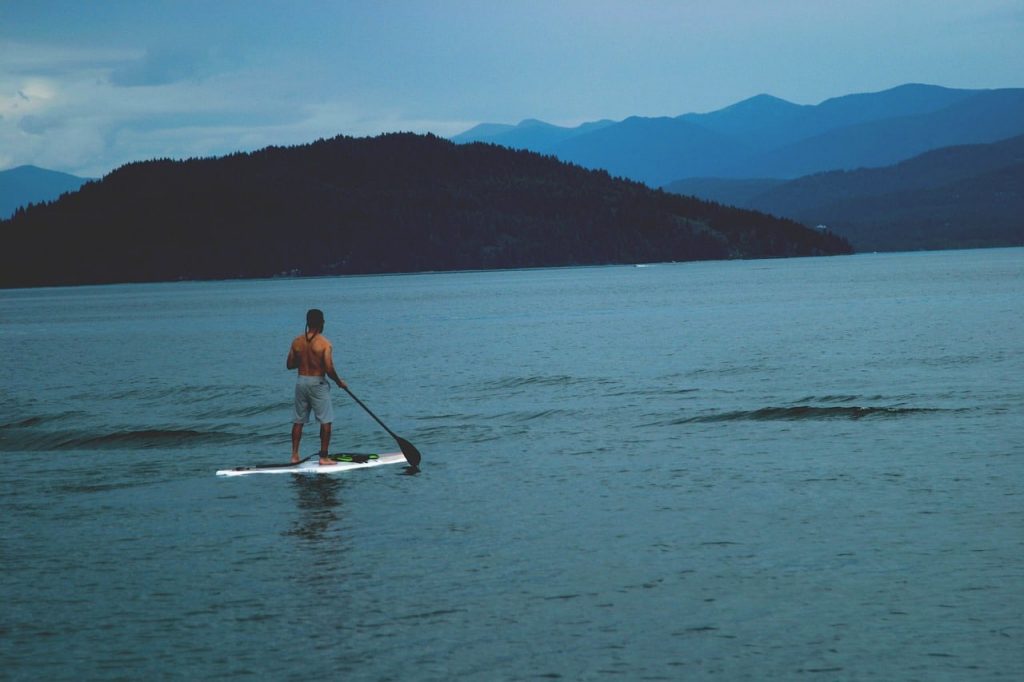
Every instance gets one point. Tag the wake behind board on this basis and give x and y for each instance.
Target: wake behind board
(346, 462)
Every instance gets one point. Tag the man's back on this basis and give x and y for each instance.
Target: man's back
(310, 356)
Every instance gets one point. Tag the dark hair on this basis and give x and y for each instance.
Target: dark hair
(315, 319)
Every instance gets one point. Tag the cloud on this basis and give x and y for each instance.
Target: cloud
(25, 97)
(35, 125)
(41, 60)
(163, 66)
(86, 91)
(125, 106)
(117, 107)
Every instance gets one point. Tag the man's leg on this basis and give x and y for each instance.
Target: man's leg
(296, 437)
(325, 441)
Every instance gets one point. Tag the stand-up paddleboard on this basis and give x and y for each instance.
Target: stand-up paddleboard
(345, 462)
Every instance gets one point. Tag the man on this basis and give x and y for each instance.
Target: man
(311, 354)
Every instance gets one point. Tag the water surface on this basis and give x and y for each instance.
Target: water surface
(736, 470)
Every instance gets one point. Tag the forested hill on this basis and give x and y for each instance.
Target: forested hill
(395, 203)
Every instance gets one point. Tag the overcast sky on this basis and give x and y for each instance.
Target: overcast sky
(87, 86)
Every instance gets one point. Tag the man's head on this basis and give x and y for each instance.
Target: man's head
(315, 319)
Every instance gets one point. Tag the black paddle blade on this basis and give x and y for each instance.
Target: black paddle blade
(412, 455)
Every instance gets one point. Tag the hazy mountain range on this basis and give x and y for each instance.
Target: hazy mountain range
(31, 185)
(914, 167)
(767, 137)
(953, 197)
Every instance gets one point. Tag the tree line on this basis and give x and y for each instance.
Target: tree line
(393, 203)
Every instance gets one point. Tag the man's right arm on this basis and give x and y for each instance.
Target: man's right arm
(292, 360)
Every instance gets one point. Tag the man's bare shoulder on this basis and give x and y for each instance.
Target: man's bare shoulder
(321, 342)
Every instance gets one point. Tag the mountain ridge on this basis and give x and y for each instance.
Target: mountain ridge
(988, 116)
(770, 137)
(393, 203)
(938, 199)
(24, 185)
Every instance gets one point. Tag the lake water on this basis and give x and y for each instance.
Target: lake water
(787, 469)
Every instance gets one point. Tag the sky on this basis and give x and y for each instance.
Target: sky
(90, 85)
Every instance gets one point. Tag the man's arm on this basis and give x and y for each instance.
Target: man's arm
(329, 367)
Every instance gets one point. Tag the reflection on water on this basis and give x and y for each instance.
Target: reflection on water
(319, 502)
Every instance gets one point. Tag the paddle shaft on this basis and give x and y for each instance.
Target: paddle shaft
(375, 417)
(412, 455)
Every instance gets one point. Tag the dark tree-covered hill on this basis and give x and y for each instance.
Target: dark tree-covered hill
(394, 203)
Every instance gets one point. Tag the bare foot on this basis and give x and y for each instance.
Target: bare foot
(295, 458)
(328, 462)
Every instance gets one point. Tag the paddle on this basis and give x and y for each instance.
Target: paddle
(412, 455)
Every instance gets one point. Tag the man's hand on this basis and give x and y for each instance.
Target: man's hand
(341, 383)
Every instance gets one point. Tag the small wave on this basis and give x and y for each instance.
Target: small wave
(118, 440)
(461, 432)
(245, 410)
(191, 394)
(23, 423)
(893, 401)
(951, 361)
(652, 391)
(809, 412)
(727, 371)
(839, 398)
(37, 420)
(144, 393)
(102, 487)
(151, 438)
(519, 382)
(531, 415)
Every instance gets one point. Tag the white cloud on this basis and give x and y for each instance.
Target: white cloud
(130, 81)
(25, 96)
(94, 110)
(77, 119)
(47, 60)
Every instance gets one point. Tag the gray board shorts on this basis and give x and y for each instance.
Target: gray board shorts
(313, 393)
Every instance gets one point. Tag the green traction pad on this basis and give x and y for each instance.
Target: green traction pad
(353, 457)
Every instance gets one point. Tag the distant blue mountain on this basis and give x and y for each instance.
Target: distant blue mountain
(648, 149)
(748, 120)
(766, 122)
(529, 134)
(961, 196)
(31, 185)
(985, 116)
(765, 136)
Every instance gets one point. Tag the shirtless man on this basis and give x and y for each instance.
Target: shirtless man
(311, 354)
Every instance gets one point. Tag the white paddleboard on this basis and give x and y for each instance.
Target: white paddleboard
(313, 466)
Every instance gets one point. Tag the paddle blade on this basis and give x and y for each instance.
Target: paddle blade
(412, 455)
